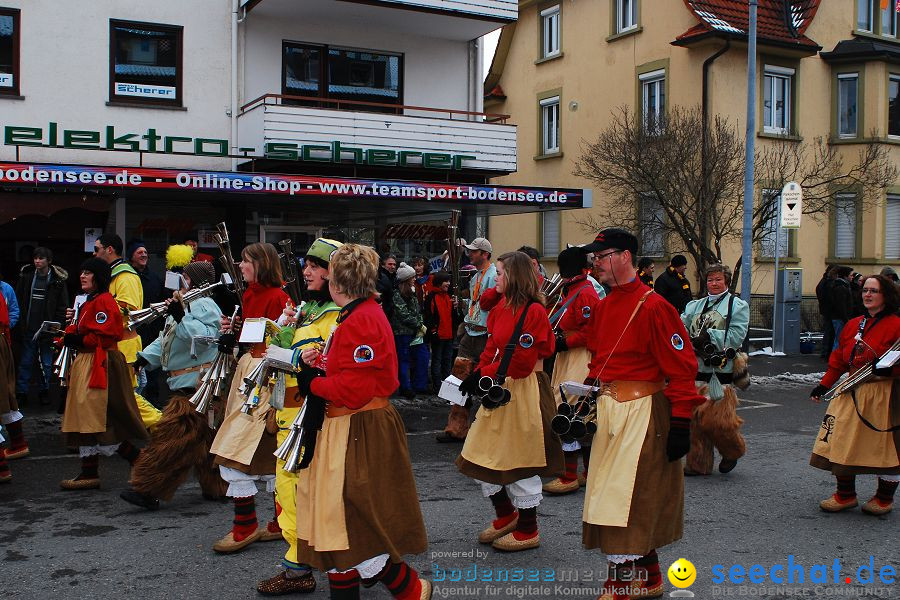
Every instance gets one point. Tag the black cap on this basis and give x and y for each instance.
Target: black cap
(613, 238)
(678, 260)
(571, 261)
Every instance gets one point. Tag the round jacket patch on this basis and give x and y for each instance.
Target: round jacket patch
(526, 340)
(586, 312)
(101, 317)
(677, 342)
(363, 354)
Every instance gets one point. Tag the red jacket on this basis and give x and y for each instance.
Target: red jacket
(536, 340)
(879, 335)
(362, 358)
(576, 319)
(656, 345)
(260, 301)
(100, 322)
(4, 319)
(438, 315)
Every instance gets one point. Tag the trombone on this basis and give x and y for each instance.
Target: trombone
(227, 261)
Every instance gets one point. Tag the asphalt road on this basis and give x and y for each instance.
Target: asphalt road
(91, 544)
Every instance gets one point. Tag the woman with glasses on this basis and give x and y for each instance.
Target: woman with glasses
(860, 432)
(510, 447)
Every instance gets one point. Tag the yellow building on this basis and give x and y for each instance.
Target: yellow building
(832, 70)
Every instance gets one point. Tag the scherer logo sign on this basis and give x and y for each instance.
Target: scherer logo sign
(151, 141)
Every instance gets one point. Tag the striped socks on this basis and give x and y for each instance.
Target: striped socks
(846, 488)
(5, 473)
(344, 586)
(571, 461)
(650, 563)
(527, 525)
(90, 467)
(402, 581)
(16, 436)
(885, 494)
(504, 508)
(245, 522)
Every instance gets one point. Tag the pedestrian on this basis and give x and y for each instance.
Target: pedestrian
(424, 279)
(406, 323)
(101, 416)
(672, 285)
(43, 296)
(823, 295)
(180, 441)
(387, 281)
(840, 298)
(439, 318)
(9, 408)
(125, 288)
(860, 432)
(359, 510)
(316, 323)
(500, 452)
(634, 501)
(12, 303)
(197, 255)
(645, 271)
(243, 446)
(571, 322)
(153, 292)
(717, 325)
(472, 333)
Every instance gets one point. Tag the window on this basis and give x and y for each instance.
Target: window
(550, 21)
(145, 63)
(894, 106)
(550, 233)
(845, 226)
(343, 74)
(864, 15)
(777, 99)
(767, 241)
(651, 226)
(626, 15)
(892, 227)
(9, 51)
(550, 125)
(847, 108)
(889, 18)
(653, 100)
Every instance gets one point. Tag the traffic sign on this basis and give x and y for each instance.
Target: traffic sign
(791, 205)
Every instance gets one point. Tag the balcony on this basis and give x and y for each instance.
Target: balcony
(446, 19)
(376, 134)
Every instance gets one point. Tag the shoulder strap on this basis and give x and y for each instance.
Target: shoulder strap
(511, 346)
(555, 317)
(637, 307)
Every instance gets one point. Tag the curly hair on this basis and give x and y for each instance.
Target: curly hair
(889, 292)
(719, 268)
(354, 270)
(265, 259)
(521, 283)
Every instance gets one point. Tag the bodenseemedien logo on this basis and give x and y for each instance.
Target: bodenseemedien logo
(682, 575)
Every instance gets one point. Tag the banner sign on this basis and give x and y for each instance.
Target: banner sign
(229, 182)
(6, 80)
(144, 90)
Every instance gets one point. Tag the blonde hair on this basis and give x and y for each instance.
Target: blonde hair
(265, 260)
(354, 269)
(521, 281)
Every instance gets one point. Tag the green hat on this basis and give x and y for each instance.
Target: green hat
(322, 249)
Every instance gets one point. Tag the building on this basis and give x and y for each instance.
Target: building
(832, 69)
(280, 118)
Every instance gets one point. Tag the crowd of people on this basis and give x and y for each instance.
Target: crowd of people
(601, 363)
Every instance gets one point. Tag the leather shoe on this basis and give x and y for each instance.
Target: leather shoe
(281, 585)
(138, 499)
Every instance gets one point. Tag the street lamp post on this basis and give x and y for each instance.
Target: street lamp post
(747, 238)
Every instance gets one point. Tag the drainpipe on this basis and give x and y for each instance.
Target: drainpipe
(705, 114)
(235, 7)
(479, 76)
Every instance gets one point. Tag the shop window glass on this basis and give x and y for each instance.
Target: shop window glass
(146, 63)
(9, 51)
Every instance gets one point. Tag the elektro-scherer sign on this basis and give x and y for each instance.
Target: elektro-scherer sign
(139, 178)
(153, 142)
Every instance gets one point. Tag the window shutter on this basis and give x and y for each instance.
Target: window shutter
(845, 227)
(892, 227)
(550, 233)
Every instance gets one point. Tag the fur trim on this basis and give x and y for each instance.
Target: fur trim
(715, 425)
(741, 371)
(180, 443)
(178, 255)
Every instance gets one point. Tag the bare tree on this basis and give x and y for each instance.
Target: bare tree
(693, 175)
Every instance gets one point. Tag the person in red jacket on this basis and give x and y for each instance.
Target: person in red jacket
(644, 364)
(358, 510)
(847, 445)
(8, 404)
(438, 313)
(510, 447)
(243, 447)
(571, 320)
(101, 413)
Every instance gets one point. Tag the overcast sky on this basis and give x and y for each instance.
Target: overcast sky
(490, 44)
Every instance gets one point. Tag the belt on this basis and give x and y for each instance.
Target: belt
(193, 369)
(474, 327)
(292, 397)
(332, 411)
(626, 391)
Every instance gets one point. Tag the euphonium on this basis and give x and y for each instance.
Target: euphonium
(291, 274)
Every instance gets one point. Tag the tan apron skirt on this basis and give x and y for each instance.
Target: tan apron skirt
(514, 442)
(571, 365)
(656, 507)
(242, 442)
(358, 497)
(7, 378)
(108, 416)
(846, 446)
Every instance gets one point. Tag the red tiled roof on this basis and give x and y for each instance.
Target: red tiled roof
(780, 22)
(497, 92)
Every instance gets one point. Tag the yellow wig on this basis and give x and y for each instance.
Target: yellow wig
(178, 255)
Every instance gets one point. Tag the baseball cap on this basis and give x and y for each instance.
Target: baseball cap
(613, 237)
(480, 244)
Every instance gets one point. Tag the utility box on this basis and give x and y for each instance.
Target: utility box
(788, 320)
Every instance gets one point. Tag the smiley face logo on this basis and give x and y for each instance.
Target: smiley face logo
(682, 573)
